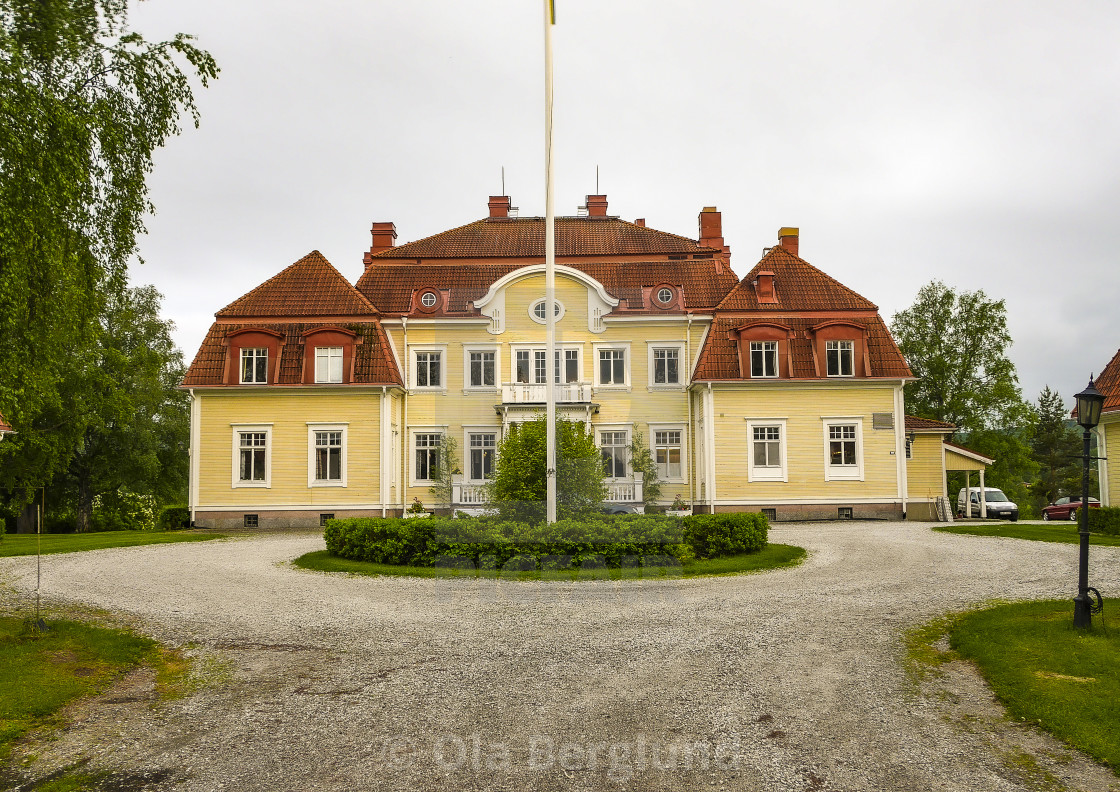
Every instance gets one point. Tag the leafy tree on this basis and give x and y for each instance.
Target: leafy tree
(956, 344)
(1056, 447)
(447, 467)
(135, 418)
(519, 486)
(641, 460)
(84, 104)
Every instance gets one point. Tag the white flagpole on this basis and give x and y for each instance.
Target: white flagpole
(549, 274)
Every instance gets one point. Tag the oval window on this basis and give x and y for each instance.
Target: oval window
(428, 299)
(536, 310)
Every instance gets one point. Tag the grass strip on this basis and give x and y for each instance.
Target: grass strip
(1047, 532)
(42, 672)
(773, 556)
(25, 544)
(1047, 672)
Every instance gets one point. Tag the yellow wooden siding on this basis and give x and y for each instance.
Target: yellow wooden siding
(955, 461)
(924, 475)
(802, 407)
(1111, 426)
(288, 412)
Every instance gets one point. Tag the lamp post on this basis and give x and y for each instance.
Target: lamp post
(1089, 403)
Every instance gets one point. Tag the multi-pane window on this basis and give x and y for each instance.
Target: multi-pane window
(254, 365)
(482, 449)
(539, 310)
(253, 453)
(328, 456)
(612, 366)
(842, 445)
(764, 358)
(839, 357)
(529, 366)
(328, 364)
(767, 446)
(428, 369)
(613, 446)
(666, 366)
(482, 369)
(427, 456)
(667, 453)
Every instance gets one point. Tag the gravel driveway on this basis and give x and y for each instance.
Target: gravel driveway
(784, 680)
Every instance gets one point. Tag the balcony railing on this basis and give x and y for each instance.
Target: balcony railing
(470, 495)
(524, 393)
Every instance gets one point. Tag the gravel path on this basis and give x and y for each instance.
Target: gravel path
(785, 680)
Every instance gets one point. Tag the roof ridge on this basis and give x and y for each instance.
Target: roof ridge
(313, 262)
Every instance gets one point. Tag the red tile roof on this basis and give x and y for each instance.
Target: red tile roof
(4, 425)
(719, 359)
(798, 285)
(1108, 383)
(374, 364)
(969, 451)
(390, 285)
(310, 287)
(916, 424)
(523, 237)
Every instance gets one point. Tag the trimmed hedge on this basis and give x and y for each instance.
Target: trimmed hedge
(1105, 520)
(719, 535)
(491, 543)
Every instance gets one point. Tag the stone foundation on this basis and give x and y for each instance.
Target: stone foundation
(818, 511)
(278, 520)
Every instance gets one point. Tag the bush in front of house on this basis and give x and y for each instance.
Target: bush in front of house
(174, 518)
(123, 511)
(495, 543)
(725, 534)
(1105, 520)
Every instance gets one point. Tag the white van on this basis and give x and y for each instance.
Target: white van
(998, 504)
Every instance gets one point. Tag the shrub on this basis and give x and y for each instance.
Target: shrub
(174, 518)
(123, 511)
(719, 535)
(595, 541)
(1105, 520)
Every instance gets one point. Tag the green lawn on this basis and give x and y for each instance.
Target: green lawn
(1046, 671)
(40, 675)
(773, 556)
(24, 544)
(1046, 532)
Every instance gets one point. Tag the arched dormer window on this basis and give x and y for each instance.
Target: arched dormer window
(765, 350)
(328, 355)
(840, 349)
(253, 356)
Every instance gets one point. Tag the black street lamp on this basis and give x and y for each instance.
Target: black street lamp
(1089, 403)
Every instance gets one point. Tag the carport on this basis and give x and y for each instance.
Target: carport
(959, 458)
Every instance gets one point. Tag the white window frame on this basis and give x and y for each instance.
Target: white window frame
(492, 349)
(468, 431)
(627, 429)
(414, 361)
(235, 477)
(682, 365)
(760, 473)
(413, 432)
(843, 472)
(560, 311)
(654, 428)
(561, 350)
(777, 359)
(312, 428)
(624, 347)
(329, 354)
(241, 366)
(851, 350)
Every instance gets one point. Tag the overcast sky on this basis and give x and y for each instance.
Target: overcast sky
(973, 142)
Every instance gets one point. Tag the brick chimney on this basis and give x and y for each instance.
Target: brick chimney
(384, 236)
(787, 238)
(596, 206)
(711, 228)
(499, 206)
(640, 222)
(764, 286)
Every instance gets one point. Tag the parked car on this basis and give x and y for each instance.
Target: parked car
(998, 504)
(1066, 508)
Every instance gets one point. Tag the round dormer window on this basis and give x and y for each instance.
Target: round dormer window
(536, 311)
(428, 299)
(664, 295)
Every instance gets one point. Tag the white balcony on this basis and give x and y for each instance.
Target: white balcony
(524, 393)
(471, 496)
